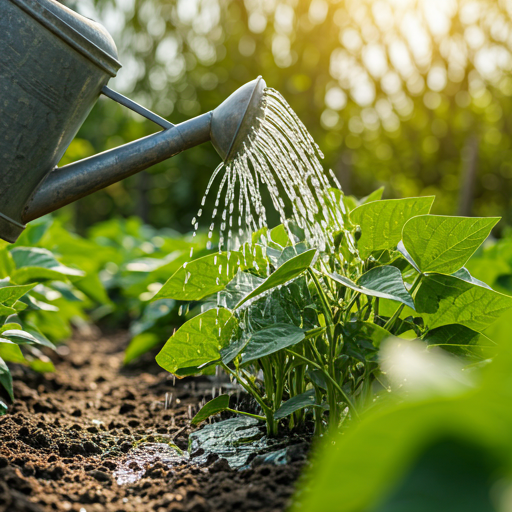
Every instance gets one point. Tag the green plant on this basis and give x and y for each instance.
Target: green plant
(41, 296)
(300, 329)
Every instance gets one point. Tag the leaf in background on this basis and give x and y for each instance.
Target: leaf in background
(384, 282)
(152, 313)
(286, 272)
(443, 300)
(376, 195)
(306, 399)
(444, 244)
(199, 278)
(6, 378)
(219, 404)
(34, 264)
(19, 337)
(382, 221)
(139, 345)
(270, 340)
(3, 407)
(368, 331)
(5, 311)
(198, 341)
(459, 340)
(10, 294)
(279, 236)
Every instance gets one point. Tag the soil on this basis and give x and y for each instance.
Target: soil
(67, 432)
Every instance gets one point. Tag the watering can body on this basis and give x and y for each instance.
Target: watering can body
(54, 65)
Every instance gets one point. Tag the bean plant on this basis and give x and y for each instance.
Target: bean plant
(299, 328)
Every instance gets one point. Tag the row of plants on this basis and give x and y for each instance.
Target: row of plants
(300, 329)
(52, 281)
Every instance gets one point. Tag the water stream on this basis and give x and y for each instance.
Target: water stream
(281, 156)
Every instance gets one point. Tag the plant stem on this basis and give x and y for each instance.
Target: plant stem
(334, 383)
(256, 416)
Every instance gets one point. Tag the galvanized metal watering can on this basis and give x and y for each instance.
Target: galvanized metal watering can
(54, 65)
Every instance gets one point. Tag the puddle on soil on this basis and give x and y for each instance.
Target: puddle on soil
(241, 441)
(145, 455)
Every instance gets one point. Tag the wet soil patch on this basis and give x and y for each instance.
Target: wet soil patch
(68, 433)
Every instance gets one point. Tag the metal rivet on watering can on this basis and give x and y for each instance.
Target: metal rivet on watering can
(49, 88)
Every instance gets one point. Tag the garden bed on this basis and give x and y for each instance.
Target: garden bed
(67, 434)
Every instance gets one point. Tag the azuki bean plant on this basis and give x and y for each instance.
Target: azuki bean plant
(300, 329)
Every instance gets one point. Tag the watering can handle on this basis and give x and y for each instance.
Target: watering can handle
(126, 102)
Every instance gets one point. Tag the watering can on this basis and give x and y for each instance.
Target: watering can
(54, 65)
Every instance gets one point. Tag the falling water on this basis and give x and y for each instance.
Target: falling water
(282, 155)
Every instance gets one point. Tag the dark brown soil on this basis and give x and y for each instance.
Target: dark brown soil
(67, 432)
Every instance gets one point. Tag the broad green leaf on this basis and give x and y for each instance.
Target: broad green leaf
(382, 221)
(219, 404)
(3, 408)
(10, 294)
(198, 341)
(286, 272)
(33, 264)
(444, 244)
(270, 340)
(6, 378)
(140, 344)
(38, 335)
(444, 300)
(199, 278)
(384, 282)
(459, 340)
(296, 403)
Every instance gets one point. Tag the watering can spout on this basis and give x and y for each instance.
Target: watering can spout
(228, 126)
(48, 90)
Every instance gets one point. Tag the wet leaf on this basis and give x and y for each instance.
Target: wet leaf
(296, 403)
(286, 272)
(444, 300)
(270, 340)
(198, 341)
(382, 221)
(384, 282)
(444, 244)
(198, 278)
(219, 404)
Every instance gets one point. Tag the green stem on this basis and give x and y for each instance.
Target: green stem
(326, 374)
(256, 416)
(248, 387)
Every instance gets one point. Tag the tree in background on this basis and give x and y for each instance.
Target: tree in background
(411, 94)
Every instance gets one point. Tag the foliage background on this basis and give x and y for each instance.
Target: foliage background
(412, 94)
